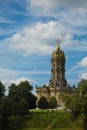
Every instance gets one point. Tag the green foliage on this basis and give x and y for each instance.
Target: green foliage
(72, 102)
(22, 107)
(24, 90)
(20, 92)
(43, 103)
(32, 101)
(82, 87)
(18, 102)
(5, 109)
(67, 100)
(12, 90)
(52, 103)
(25, 86)
(2, 89)
(21, 98)
(83, 107)
(77, 102)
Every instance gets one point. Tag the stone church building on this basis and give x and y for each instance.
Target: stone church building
(57, 84)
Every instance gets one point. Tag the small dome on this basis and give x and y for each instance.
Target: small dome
(58, 53)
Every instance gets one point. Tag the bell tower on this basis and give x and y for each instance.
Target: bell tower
(58, 68)
(57, 84)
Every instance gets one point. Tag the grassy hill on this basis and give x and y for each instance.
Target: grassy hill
(45, 121)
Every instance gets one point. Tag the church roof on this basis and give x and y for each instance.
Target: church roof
(58, 53)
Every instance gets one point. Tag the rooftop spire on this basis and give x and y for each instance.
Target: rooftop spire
(58, 41)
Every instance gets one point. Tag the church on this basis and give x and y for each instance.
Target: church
(58, 83)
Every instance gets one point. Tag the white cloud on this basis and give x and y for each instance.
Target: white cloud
(51, 5)
(42, 6)
(12, 76)
(41, 38)
(83, 62)
(8, 76)
(7, 73)
(83, 75)
(4, 20)
(69, 11)
(14, 73)
(17, 81)
(72, 69)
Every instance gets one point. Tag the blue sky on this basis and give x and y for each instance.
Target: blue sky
(28, 33)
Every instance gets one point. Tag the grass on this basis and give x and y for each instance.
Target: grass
(38, 120)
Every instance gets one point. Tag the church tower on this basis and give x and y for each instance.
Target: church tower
(57, 84)
(58, 81)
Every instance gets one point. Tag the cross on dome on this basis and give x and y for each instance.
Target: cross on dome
(58, 41)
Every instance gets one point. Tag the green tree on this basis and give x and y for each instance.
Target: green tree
(52, 103)
(5, 109)
(22, 107)
(2, 89)
(12, 90)
(67, 101)
(72, 102)
(26, 86)
(77, 102)
(43, 103)
(82, 87)
(82, 90)
(14, 98)
(32, 101)
(21, 98)
(24, 90)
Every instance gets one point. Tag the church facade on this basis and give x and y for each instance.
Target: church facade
(57, 84)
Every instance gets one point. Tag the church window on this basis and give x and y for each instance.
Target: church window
(54, 65)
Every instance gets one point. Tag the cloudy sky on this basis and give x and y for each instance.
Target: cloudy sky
(28, 33)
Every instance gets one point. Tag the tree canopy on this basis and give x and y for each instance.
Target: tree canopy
(52, 103)
(18, 101)
(2, 89)
(77, 102)
(43, 103)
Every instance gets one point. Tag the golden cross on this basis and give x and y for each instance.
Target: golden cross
(59, 41)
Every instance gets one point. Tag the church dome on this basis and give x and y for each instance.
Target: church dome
(58, 53)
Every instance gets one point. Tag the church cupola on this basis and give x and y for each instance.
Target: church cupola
(58, 53)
